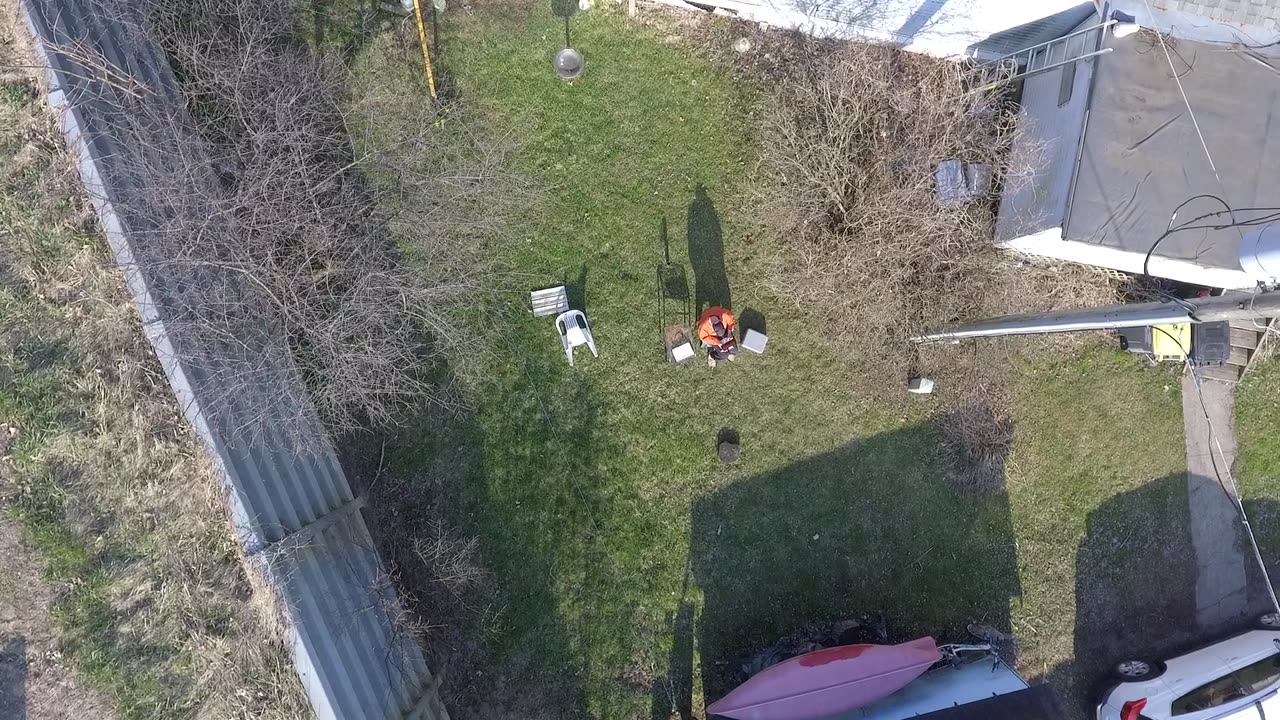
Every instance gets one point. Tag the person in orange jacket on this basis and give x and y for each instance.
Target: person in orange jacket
(715, 330)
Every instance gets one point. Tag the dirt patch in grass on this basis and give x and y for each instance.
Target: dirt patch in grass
(35, 677)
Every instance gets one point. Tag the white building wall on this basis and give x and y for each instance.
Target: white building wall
(1254, 24)
(1050, 244)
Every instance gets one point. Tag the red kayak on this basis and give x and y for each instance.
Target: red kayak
(827, 682)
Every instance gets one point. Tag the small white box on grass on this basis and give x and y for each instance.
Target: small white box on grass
(920, 386)
(755, 341)
(681, 352)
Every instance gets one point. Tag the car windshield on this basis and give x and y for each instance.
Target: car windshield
(1242, 683)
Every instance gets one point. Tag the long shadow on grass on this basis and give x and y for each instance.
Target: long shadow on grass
(1136, 588)
(706, 254)
(526, 476)
(13, 679)
(870, 528)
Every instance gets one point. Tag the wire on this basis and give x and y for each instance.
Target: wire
(1233, 494)
(1274, 216)
(1169, 228)
(1177, 79)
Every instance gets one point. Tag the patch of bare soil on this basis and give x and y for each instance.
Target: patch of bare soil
(34, 681)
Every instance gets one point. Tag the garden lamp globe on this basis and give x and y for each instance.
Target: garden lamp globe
(569, 63)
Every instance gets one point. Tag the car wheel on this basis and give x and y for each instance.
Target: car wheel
(1268, 621)
(1137, 670)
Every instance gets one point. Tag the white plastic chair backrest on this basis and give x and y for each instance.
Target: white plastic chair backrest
(573, 327)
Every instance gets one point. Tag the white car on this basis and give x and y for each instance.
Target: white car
(1233, 679)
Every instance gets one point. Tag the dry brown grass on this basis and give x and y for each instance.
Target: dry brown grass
(852, 140)
(156, 608)
(301, 227)
(976, 440)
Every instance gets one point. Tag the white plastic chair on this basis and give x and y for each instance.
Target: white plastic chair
(574, 331)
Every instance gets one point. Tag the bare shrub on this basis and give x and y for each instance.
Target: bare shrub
(291, 225)
(451, 561)
(852, 143)
(852, 140)
(450, 603)
(976, 439)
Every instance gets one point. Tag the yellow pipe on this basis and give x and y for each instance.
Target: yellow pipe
(426, 49)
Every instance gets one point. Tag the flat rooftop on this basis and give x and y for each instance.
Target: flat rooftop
(1142, 156)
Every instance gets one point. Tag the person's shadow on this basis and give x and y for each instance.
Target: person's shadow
(13, 678)
(706, 254)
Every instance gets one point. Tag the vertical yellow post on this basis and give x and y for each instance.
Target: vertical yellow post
(426, 49)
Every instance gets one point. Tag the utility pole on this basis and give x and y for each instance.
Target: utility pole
(1236, 306)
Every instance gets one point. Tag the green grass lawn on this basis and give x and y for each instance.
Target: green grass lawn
(634, 567)
(1257, 470)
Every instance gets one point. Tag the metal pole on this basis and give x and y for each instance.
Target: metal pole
(566, 31)
(426, 49)
(1227, 307)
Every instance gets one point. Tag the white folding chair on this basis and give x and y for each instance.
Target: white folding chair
(574, 331)
(551, 301)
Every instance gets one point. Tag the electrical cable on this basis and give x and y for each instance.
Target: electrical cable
(1233, 494)
(1185, 101)
(1172, 218)
(1274, 216)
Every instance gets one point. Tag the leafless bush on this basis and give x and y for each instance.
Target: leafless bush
(448, 599)
(852, 140)
(976, 440)
(451, 560)
(291, 222)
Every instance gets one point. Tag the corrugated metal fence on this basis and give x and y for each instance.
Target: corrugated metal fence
(290, 502)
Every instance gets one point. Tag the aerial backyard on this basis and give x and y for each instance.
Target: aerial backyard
(570, 539)
(636, 570)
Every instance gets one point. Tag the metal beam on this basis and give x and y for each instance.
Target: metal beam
(1227, 307)
(305, 534)
(429, 706)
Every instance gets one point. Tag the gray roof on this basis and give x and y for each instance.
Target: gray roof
(1142, 156)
